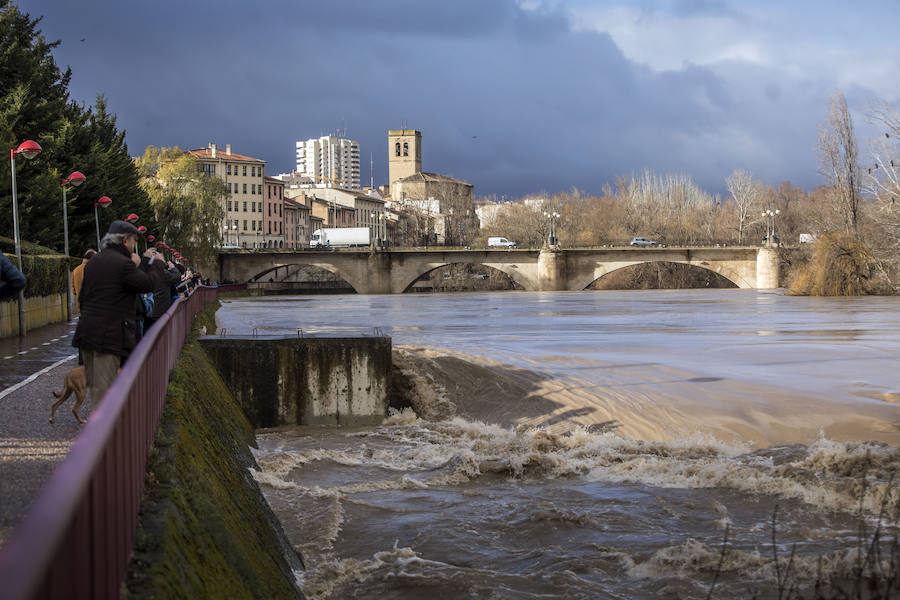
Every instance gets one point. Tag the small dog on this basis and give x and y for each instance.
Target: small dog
(76, 381)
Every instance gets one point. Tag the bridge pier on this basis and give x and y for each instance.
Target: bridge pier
(378, 274)
(551, 270)
(767, 269)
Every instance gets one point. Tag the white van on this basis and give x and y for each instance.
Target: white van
(500, 242)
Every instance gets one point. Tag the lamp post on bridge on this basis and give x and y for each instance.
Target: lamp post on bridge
(376, 219)
(29, 149)
(76, 178)
(769, 216)
(553, 217)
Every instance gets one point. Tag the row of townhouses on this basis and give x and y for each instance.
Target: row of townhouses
(262, 211)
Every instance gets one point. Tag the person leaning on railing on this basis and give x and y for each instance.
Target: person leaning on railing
(112, 280)
(11, 279)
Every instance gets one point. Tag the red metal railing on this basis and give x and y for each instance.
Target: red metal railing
(76, 538)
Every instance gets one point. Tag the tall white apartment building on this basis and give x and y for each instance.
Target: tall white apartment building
(329, 160)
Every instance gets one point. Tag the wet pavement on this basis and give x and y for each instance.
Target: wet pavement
(40, 348)
(31, 447)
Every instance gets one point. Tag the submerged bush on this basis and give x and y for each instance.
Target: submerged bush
(841, 265)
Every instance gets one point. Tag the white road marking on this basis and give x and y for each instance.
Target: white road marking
(34, 376)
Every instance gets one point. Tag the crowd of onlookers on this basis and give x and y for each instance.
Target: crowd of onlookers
(120, 296)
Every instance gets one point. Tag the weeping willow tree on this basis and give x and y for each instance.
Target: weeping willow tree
(841, 265)
(187, 203)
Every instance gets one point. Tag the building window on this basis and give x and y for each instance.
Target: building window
(405, 148)
(269, 209)
(229, 205)
(279, 210)
(228, 169)
(245, 209)
(269, 191)
(244, 167)
(208, 169)
(259, 224)
(245, 188)
(270, 227)
(397, 148)
(252, 188)
(245, 224)
(253, 225)
(280, 193)
(235, 189)
(235, 224)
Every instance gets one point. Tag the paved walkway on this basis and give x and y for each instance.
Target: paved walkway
(30, 447)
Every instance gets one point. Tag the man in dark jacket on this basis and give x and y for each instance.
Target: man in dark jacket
(162, 295)
(11, 279)
(112, 280)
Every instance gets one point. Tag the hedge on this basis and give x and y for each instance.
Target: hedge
(44, 268)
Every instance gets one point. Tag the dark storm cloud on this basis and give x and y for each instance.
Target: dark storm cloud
(512, 100)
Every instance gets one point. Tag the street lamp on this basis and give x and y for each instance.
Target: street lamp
(76, 178)
(104, 201)
(769, 215)
(553, 217)
(376, 218)
(29, 149)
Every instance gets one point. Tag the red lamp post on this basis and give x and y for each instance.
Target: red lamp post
(104, 201)
(76, 178)
(29, 149)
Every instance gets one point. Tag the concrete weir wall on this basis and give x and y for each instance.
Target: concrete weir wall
(305, 381)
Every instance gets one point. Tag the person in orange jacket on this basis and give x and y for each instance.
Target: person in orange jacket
(78, 276)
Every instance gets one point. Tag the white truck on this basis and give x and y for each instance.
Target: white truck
(340, 237)
(500, 242)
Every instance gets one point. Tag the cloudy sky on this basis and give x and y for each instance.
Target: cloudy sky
(514, 96)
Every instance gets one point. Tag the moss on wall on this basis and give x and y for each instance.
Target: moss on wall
(205, 529)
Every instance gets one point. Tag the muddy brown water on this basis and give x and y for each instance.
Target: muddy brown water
(595, 444)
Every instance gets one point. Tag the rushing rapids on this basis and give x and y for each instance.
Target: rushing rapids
(599, 445)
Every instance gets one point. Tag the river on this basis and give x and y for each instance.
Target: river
(594, 444)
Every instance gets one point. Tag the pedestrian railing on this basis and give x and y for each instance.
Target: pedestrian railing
(77, 536)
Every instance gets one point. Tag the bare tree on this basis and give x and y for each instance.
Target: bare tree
(881, 181)
(839, 158)
(746, 194)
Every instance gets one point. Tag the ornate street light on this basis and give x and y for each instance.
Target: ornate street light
(376, 219)
(769, 215)
(553, 217)
(76, 178)
(29, 149)
(103, 202)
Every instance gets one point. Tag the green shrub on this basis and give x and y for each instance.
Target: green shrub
(45, 269)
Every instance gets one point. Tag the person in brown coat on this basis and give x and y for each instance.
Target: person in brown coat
(78, 277)
(112, 279)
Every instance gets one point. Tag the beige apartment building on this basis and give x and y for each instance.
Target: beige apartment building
(273, 217)
(242, 224)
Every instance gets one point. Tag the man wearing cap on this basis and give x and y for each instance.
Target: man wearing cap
(112, 279)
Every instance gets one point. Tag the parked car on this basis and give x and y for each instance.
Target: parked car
(639, 241)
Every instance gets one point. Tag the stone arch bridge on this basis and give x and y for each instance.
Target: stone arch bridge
(394, 271)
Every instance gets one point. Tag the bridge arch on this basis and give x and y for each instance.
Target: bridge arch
(724, 271)
(436, 267)
(293, 267)
(406, 281)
